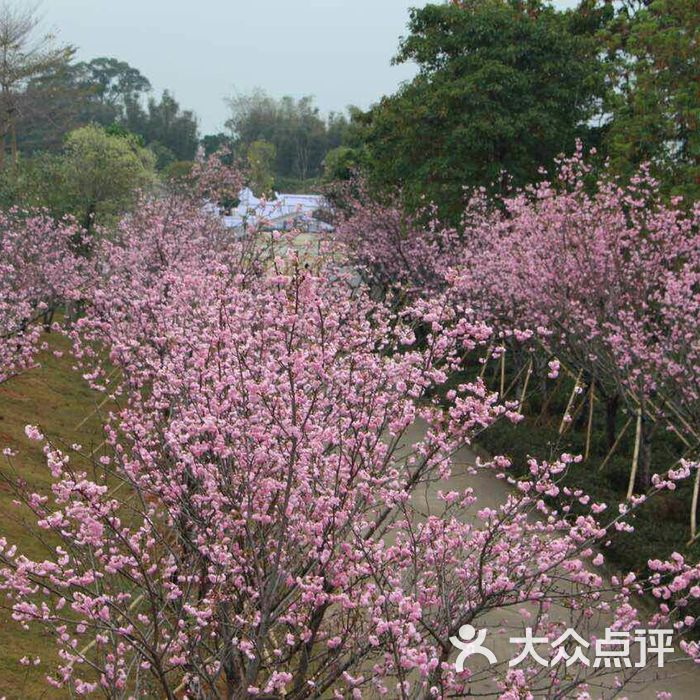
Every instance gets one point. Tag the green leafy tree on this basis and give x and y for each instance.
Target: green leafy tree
(339, 164)
(103, 173)
(300, 135)
(50, 106)
(503, 85)
(95, 177)
(69, 95)
(171, 132)
(111, 94)
(109, 86)
(40, 181)
(261, 163)
(654, 51)
(213, 143)
(178, 174)
(25, 53)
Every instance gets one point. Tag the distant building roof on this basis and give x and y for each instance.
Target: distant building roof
(284, 208)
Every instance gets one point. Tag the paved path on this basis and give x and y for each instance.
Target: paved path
(682, 679)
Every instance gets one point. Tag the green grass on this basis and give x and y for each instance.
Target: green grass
(56, 398)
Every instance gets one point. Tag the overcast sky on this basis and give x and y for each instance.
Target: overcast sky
(203, 50)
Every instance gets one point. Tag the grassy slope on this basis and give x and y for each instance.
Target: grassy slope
(54, 397)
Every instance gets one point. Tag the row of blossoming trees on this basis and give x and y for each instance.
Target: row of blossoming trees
(40, 272)
(251, 527)
(600, 277)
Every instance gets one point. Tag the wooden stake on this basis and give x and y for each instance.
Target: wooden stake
(568, 405)
(635, 456)
(92, 413)
(503, 371)
(524, 391)
(590, 420)
(678, 415)
(102, 403)
(514, 381)
(486, 361)
(550, 396)
(615, 444)
(694, 508)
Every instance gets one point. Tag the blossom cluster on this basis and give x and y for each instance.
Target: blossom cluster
(40, 270)
(580, 270)
(263, 520)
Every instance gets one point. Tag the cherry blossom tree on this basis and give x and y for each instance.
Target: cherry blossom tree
(391, 248)
(255, 526)
(39, 272)
(589, 269)
(261, 522)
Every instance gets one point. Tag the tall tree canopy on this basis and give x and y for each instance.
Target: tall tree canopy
(106, 92)
(300, 135)
(654, 46)
(503, 85)
(95, 177)
(69, 95)
(261, 158)
(171, 132)
(25, 53)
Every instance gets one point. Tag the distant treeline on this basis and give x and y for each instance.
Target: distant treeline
(106, 92)
(503, 87)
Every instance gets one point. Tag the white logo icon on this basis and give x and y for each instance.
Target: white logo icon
(469, 642)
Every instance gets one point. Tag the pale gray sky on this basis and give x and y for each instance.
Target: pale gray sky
(203, 50)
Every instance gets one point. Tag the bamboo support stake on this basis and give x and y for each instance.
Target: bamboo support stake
(635, 456)
(680, 417)
(514, 381)
(615, 444)
(550, 396)
(503, 371)
(97, 449)
(571, 401)
(694, 508)
(590, 420)
(486, 361)
(524, 391)
(574, 415)
(92, 413)
(102, 403)
(650, 416)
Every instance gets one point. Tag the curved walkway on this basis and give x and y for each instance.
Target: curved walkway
(680, 676)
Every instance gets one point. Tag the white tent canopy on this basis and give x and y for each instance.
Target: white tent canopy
(283, 212)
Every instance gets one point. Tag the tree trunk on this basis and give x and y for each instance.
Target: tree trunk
(48, 320)
(612, 404)
(648, 430)
(89, 218)
(582, 410)
(3, 146)
(13, 141)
